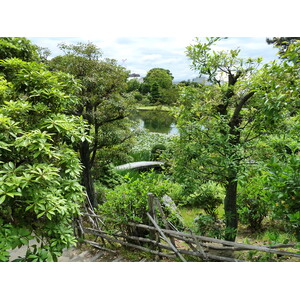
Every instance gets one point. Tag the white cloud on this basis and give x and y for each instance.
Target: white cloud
(140, 54)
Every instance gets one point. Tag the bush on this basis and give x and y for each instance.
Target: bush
(157, 150)
(40, 191)
(284, 192)
(128, 202)
(107, 176)
(209, 226)
(208, 196)
(252, 202)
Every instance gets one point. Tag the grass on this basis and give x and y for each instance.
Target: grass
(269, 236)
(188, 215)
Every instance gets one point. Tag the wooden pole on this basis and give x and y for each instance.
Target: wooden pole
(236, 246)
(152, 213)
(131, 245)
(165, 238)
(163, 216)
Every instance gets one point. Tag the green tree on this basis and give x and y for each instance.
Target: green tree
(40, 191)
(160, 76)
(219, 123)
(17, 47)
(282, 43)
(103, 103)
(155, 92)
(158, 82)
(133, 85)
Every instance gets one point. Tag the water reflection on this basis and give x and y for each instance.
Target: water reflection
(156, 121)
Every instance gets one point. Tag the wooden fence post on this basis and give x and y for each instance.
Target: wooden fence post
(151, 211)
(164, 219)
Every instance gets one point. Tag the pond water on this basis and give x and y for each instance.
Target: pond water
(156, 121)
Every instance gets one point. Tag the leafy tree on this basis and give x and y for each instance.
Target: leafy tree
(17, 47)
(133, 85)
(155, 92)
(282, 43)
(40, 189)
(160, 76)
(103, 103)
(158, 82)
(170, 96)
(219, 123)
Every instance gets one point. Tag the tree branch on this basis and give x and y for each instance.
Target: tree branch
(239, 107)
(120, 117)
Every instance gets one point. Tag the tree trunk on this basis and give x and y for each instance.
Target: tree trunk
(87, 180)
(231, 216)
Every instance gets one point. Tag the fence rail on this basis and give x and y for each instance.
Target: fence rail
(164, 242)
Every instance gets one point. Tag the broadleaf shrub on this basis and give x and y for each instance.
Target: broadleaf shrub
(128, 202)
(208, 196)
(253, 205)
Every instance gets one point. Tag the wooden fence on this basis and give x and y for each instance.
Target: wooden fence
(165, 241)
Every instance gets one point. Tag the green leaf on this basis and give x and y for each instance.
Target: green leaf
(2, 199)
(40, 215)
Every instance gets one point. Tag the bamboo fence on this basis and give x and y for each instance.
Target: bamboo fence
(165, 242)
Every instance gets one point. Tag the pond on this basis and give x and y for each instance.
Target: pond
(156, 121)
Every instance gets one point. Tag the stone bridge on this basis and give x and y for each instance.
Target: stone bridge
(140, 165)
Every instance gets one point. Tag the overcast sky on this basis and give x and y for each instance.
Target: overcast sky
(142, 35)
(140, 54)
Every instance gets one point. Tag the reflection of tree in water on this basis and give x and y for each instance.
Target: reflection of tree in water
(156, 121)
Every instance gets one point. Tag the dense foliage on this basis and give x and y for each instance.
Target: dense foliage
(220, 124)
(65, 123)
(103, 104)
(128, 202)
(157, 88)
(40, 191)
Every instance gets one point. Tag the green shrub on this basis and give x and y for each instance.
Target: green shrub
(207, 225)
(284, 192)
(208, 196)
(157, 150)
(107, 176)
(252, 202)
(128, 202)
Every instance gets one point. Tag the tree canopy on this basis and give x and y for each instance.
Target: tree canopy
(17, 47)
(103, 103)
(282, 43)
(219, 123)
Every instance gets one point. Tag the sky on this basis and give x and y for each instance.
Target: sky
(142, 35)
(140, 54)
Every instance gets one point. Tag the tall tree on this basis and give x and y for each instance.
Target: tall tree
(219, 122)
(102, 102)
